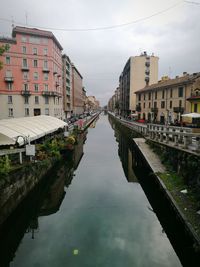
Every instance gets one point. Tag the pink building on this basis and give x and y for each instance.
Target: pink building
(77, 91)
(31, 78)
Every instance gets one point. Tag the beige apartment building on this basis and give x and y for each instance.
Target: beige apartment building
(139, 71)
(165, 101)
(67, 86)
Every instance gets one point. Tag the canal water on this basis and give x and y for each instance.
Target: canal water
(101, 217)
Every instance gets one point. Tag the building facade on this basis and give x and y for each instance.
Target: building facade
(139, 71)
(77, 91)
(31, 78)
(67, 86)
(167, 100)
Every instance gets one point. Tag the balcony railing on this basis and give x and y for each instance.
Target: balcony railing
(46, 70)
(25, 68)
(26, 92)
(147, 64)
(178, 109)
(51, 93)
(9, 79)
(57, 84)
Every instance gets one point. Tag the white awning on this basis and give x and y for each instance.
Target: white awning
(191, 115)
(28, 127)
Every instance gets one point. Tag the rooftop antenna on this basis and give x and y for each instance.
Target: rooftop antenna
(13, 25)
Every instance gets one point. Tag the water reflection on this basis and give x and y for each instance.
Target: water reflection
(44, 200)
(134, 165)
(103, 218)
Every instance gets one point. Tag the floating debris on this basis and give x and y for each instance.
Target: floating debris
(184, 191)
(75, 251)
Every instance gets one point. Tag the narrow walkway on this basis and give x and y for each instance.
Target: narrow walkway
(152, 159)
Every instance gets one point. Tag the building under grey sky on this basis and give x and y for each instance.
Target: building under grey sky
(100, 36)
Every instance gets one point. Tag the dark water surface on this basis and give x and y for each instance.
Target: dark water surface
(104, 220)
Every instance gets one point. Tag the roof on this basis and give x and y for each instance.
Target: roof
(12, 130)
(35, 32)
(171, 82)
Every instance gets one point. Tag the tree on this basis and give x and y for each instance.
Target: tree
(3, 49)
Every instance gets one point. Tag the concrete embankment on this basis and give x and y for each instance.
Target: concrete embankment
(184, 230)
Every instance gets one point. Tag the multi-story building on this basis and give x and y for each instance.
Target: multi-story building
(67, 86)
(77, 91)
(31, 78)
(138, 72)
(168, 99)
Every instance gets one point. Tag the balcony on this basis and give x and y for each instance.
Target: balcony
(25, 68)
(147, 64)
(147, 79)
(55, 72)
(51, 93)
(9, 79)
(25, 92)
(147, 72)
(57, 84)
(195, 95)
(46, 70)
(154, 110)
(178, 110)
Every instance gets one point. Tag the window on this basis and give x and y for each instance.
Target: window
(45, 51)
(46, 87)
(180, 92)
(9, 73)
(24, 49)
(26, 111)
(170, 104)
(7, 60)
(46, 76)
(156, 95)
(139, 97)
(149, 95)
(171, 93)
(45, 64)
(180, 103)
(35, 63)
(24, 40)
(35, 51)
(26, 100)
(35, 75)
(25, 75)
(149, 104)
(25, 86)
(9, 86)
(162, 104)
(46, 111)
(24, 62)
(10, 99)
(144, 105)
(46, 100)
(36, 99)
(10, 112)
(36, 87)
(195, 107)
(155, 104)
(144, 94)
(163, 94)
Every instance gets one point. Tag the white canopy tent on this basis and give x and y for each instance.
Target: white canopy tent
(191, 115)
(19, 129)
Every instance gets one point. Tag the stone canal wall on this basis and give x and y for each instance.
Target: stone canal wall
(146, 158)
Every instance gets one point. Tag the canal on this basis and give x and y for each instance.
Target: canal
(96, 214)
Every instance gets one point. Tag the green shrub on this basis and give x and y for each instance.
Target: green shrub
(5, 165)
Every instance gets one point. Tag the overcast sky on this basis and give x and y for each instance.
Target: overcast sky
(172, 33)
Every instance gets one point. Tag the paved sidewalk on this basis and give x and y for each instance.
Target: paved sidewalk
(150, 156)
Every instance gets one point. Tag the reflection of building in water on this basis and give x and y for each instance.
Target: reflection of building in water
(54, 197)
(127, 159)
(78, 149)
